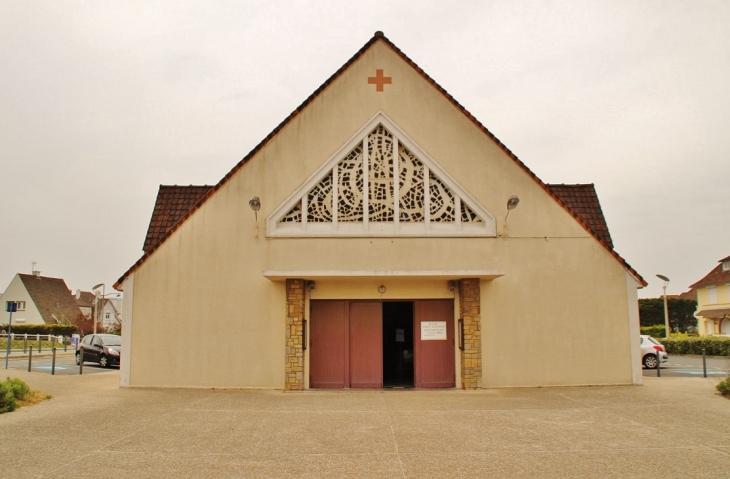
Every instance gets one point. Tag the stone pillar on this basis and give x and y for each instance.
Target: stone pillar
(294, 375)
(471, 355)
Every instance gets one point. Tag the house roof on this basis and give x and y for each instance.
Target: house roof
(583, 201)
(86, 299)
(52, 297)
(378, 36)
(171, 205)
(689, 295)
(717, 275)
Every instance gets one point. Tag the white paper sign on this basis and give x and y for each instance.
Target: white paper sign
(433, 330)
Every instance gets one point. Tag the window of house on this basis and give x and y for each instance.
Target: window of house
(107, 315)
(726, 265)
(712, 294)
(19, 305)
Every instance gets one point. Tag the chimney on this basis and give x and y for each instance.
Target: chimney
(37, 274)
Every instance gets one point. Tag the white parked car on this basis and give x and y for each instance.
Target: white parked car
(651, 352)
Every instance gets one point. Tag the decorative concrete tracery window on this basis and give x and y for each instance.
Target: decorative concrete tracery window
(359, 195)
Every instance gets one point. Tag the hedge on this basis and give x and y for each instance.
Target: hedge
(54, 329)
(714, 345)
(656, 331)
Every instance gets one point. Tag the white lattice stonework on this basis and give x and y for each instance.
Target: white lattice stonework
(380, 183)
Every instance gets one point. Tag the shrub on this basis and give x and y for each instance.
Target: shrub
(657, 331)
(19, 388)
(12, 391)
(8, 403)
(714, 345)
(724, 387)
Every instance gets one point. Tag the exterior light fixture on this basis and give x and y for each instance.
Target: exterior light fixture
(255, 204)
(381, 289)
(512, 203)
(666, 310)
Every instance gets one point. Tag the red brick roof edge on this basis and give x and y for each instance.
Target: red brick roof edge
(717, 275)
(378, 36)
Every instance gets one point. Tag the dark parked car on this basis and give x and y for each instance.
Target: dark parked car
(100, 348)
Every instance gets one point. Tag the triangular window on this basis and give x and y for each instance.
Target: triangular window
(424, 200)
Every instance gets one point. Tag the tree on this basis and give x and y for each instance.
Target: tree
(85, 324)
(681, 313)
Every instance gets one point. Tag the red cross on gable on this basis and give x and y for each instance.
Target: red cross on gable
(379, 80)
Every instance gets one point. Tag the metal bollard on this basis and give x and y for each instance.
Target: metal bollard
(65, 346)
(81, 362)
(30, 358)
(53, 362)
(658, 364)
(704, 363)
(25, 343)
(38, 338)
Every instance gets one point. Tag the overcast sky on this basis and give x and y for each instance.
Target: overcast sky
(101, 102)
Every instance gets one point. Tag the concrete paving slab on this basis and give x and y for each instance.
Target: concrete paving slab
(177, 465)
(672, 427)
(667, 463)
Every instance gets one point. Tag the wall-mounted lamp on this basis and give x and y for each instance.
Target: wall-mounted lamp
(311, 285)
(512, 203)
(381, 289)
(255, 204)
(452, 286)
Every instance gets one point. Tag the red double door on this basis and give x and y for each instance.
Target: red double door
(346, 345)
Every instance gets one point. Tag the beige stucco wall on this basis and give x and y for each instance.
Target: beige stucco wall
(205, 316)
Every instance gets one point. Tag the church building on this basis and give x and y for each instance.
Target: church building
(379, 237)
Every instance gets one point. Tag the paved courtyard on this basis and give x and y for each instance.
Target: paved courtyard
(670, 427)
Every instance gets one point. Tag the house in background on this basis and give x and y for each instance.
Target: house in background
(41, 300)
(85, 300)
(111, 315)
(713, 300)
(365, 243)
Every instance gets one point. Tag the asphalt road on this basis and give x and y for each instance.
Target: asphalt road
(65, 365)
(677, 366)
(691, 366)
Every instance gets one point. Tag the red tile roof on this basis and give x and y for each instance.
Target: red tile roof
(377, 37)
(715, 276)
(171, 205)
(690, 295)
(52, 297)
(86, 299)
(583, 200)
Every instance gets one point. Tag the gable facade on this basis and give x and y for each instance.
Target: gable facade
(375, 201)
(43, 300)
(713, 300)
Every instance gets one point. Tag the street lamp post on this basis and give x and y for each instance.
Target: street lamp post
(97, 312)
(666, 309)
